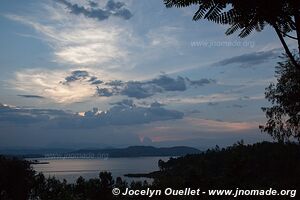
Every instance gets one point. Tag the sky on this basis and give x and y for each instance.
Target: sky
(98, 73)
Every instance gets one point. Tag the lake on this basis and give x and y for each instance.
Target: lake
(71, 169)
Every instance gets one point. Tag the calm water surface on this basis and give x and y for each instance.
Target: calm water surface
(71, 169)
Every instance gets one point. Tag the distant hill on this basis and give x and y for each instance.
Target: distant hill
(33, 151)
(139, 151)
(132, 151)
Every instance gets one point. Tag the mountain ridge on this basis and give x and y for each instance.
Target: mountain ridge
(141, 151)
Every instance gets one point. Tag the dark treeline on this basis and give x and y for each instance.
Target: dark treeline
(262, 165)
(259, 166)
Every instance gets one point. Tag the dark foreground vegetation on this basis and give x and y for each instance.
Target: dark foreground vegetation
(259, 166)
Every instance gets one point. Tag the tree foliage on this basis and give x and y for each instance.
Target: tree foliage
(284, 115)
(258, 166)
(16, 178)
(262, 165)
(249, 15)
(245, 16)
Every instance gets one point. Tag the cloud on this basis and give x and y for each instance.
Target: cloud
(127, 113)
(31, 96)
(221, 126)
(82, 75)
(42, 127)
(210, 99)
(194, 111)
(77, 85)
(170, 84)
(93, 4)
(145, 89)
(138, 90)
(196, 127)
(213, 104)
(250, 59)
(17, 115)
(238, 106)
(121, 113)
(201, 82)
(112, 8)
(104, 92)
(61, 86)
(124, 102)
(122, 124)
(96, 82)
(200, 132)
(77, 75)
(115, 83)
(156, 104)
(79, 41)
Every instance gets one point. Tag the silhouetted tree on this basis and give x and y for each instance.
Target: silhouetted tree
(39, 189)
(79, 188)
(260, 166)
(106, 184)
(122, 185)
(249, 15)
(161, 165)
(284, 115)
(16, 179)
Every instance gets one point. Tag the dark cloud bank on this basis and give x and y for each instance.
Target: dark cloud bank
(251, 59)
(144, 89)
(81, 75)
(136, 89)
(121, 113)
(112, 8)
(31, 96)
